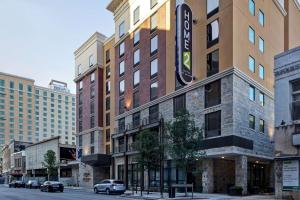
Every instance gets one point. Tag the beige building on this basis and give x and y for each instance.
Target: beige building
(32, 113)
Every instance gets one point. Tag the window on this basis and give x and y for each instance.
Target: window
(107, 72)
(153, 91)
(213, 94)
(107, 135)
(252, 122)
(2, 83)
(121, 68)
(136, 37)
(251, 35)
(136, 57)
(212, 63)
(122, 87)
(80, 98)
(91, 60)
(251, 63)
(136, 120)
(92, 107)
(261, 72)
(80, 85)
(261, 126)
(153, 22)
(80, 140)
(212, 33)
(92, 150)
(136, 99)
(251, 93)
(107, 149)
(251, 5)
(107, 103)
(179, 104)
(79, 69)
(92, 92)
(213, 124)
(212, 7)
(153, 114)
(262, 99)
(107, 119)
(122, 29)
(12, 85)
(121, 106)
(21, 86)
(107, 87)
(107, 56)
(154, 45)
(92, 137)
(261, 45)
(281, 2)
(154, 68)
(92, 122)
(136, 15)
(295, 85)
(93, 77)
(153, 3)
(261, 18)
(121, 49)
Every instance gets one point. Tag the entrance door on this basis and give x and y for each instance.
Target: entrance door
(257, 178)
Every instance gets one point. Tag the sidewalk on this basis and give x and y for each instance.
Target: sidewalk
(197, 196)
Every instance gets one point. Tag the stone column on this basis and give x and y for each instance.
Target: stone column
(278, 178)
(208, 176)
(241, 168)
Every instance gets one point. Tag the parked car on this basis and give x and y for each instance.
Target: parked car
(16, 184)
(32, 184)
(110, 186)
(52, 186)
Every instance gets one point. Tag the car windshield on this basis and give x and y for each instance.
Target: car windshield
(118, 182)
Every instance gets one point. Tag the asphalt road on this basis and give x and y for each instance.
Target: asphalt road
(35, 194)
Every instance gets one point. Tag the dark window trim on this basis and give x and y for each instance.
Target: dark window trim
(213, 12)
(154, 29)
(210, 73)
(138, 42)
(156, 50)
(153, 5)
(121, 55)
(215, 41)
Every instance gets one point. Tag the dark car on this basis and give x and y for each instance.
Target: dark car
(16, 184)
(52, 186)
(32, 184)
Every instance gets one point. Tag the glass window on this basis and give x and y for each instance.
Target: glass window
(212, 33)
(136, 57)
(179, 104)
(92, 137)
(93, 77)
(107, 55)
(107, 87)
(107, 135)
(122, 49)
(122, 29)
(251, 63)
(154, 68)
(80, 85)
(212, 7)
(262, 99)
(261, 18)
(2, 83)
(281, 2)
(153, 3)
(261, 126)
(213, 124)
(107, 117)
(252, 122)
(251, 5)
(212, 63)
(21, 86)
(153, 90)
(136, 37)
(153, 113)
(121, 106)
(295, 85)
(251, 93)
(80, 140)
(213, 94)
(136, 99)
(92, 92)
(107, 71)
(122, 87)
(261, 45)
(136, 15)
(107, 103)
(153, 21)
(261, 72)
(251, 35)
(79, 69)
(121, 68)
(136, 117)
(91, 60)
(154, 44)
(11, 85)
(136, 78)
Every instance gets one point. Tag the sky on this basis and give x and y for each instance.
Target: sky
(38, 37)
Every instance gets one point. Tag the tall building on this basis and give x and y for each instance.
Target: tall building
(94, 80)
(31, 113)
(287, 124)
(214, 58)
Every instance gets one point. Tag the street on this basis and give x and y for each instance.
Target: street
(35, 194)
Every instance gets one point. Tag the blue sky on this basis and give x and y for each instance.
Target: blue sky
(38, 37)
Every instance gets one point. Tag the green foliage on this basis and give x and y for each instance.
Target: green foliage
(50, 163)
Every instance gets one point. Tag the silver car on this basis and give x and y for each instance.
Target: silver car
(110, 186)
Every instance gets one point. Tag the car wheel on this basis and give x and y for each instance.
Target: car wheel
(107, 191)
(48, 190)
(96, 190)
(61, 190)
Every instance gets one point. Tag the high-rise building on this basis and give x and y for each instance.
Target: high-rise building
(95, 111)
(31, 113)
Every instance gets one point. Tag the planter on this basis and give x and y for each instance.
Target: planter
(235, 191)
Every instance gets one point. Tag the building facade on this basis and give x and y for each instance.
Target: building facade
(32, 113)
(287, 116)
(94, 80)
(231, 93)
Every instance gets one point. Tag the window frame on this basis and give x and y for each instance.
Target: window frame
(251, 125)
(209, 62)
(120, 84)
(153, 51)
(136, 13)
(135, 84)
(136, 55)
(210, 30)
(250, 58)
(250, 31)
(261, 15)
(152, 75)
(121, 49)
(121, 29)
(121, 64)
(153, 96)
(250, 3)
(251, 89)
(261, 72)
(213, 11)
(261, 45)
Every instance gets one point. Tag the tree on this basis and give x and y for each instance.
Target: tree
(50, 163)
(149, 148)
(183, 140)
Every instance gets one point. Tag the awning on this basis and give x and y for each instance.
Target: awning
(97, 160)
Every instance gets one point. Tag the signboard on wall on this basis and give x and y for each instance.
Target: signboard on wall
(290, 174)
(184, 23)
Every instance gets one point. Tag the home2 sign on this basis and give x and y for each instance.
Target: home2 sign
(184, 44)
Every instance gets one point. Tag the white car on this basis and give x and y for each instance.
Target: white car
(110, 186)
